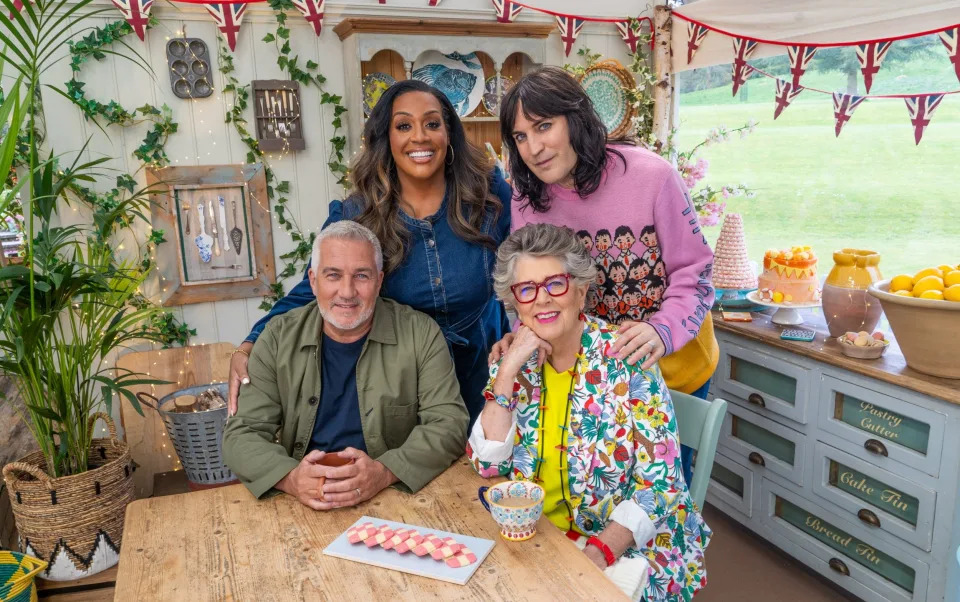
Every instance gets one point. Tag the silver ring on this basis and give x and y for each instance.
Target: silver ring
(358, 492)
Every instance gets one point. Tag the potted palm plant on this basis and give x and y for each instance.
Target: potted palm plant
(64, 310)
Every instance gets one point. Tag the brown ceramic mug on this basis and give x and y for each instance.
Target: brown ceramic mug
(330, 459)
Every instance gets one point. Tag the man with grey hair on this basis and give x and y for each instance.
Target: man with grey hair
(349, 394)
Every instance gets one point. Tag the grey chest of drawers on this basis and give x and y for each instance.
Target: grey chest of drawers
(853, 471)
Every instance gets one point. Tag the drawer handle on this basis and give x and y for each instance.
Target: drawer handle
(839, 566)
(875, 447)
(757, 400)
(868, 517)
(756, 459)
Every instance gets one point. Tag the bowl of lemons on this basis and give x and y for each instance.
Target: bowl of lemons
(924, 314)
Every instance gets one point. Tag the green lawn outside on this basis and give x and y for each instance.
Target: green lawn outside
(870, 188)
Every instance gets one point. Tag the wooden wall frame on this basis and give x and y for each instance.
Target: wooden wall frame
(181, 282)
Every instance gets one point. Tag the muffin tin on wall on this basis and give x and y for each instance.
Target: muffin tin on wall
(190, 70)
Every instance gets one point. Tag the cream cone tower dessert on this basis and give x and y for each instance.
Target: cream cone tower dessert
(731, 265)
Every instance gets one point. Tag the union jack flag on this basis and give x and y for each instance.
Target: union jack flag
(949, 39)
(435, 2)
(921, 111)
(507, 10)
(312, 11)
(843, 107)
(786, 92)
(742, 49)
(800, 57)
(136, 13)
(228, 18)
(629, 34)
(17, 6)
(871, 57)
(569, 30)
(695, 35)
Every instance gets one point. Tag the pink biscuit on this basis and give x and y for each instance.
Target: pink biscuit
(399, 536)
(461, 558)
(382, 534)
(412, 541)
(429, 544)
(448, 549)
(360, 532)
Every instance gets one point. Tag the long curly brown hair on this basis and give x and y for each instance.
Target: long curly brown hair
(376, 185)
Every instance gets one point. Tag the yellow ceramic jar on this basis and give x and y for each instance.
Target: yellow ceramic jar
(846, 305)
(854, 268)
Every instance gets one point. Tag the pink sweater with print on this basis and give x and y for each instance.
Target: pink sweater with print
(654, 264)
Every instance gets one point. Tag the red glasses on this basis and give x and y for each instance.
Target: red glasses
(556, 286)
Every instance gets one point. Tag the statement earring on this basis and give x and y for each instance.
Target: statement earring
(450, 154)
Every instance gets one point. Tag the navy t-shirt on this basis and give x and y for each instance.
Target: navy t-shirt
(338, 413)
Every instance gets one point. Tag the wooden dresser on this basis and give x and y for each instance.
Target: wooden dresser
(850, 466)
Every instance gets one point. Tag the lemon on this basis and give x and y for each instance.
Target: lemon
(927, 283)
(903, 293)
(944, 268)
(951, 278)
(903, 282)
(926, 272)
(952, 293)
(932, 294)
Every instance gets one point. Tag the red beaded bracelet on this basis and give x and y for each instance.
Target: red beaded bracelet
(607, 552)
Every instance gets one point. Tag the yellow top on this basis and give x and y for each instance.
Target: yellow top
(554, 472)
(688, 368)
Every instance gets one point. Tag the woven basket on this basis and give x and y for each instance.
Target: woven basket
(75, 523)
(17, 573)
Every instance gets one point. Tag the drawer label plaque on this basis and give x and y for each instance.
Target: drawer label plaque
(874, 492)
(881, 422)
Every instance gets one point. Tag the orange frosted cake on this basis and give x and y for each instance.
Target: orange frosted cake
(789, 276)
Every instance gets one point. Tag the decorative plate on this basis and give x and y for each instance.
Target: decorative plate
(374, 85)
(458, 76)
(604, 83)
(490, 100)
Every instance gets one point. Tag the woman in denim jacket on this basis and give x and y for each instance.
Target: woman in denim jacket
(439, 212)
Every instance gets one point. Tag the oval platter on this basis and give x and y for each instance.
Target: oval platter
(374, 85)
(604, 83)
(458, 76)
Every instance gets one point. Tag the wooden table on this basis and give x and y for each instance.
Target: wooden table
(222, 544)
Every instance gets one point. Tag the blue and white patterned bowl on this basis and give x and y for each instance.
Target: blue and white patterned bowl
(518, 521)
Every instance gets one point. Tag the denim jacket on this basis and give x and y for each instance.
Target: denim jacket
(445, 277)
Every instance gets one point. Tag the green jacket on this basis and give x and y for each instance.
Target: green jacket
(414, 421)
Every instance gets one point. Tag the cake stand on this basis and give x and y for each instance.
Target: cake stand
(787, 313)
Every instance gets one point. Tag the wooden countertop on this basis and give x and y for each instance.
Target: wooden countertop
(890, 367)
(223, 544)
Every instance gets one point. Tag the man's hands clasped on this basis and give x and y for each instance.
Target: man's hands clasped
(326, 487)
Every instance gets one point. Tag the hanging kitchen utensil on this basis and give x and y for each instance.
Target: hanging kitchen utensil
(203, 241)
(223, 223)
(236, 235)
(216, 236)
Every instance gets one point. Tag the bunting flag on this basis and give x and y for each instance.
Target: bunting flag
(695, 35)
(569, 30)
(843, 107)
(786, 92)
(921, 111)
(507, 10)
(949, 39)
(629, 34)
(435, 2)
(870, 57)
(742, 49)
(800, 57)
(228, 18)
(18, 6)
(312, 11)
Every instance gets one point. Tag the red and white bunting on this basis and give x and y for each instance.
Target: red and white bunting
(569, 30)
(695, 35)
(507, 10)
(228, 17)
(921, 111)
(136, 13)
(786, 92)
(949, 39)
(843, 107)
(630, 34)
(435, 2)
(312, 11)
(742, 49)
(17, 7)
(870, 57)
(800, 57)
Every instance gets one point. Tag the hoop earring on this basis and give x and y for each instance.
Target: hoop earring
(451, 155)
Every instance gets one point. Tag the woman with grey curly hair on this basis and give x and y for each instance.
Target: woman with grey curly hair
(597, 433)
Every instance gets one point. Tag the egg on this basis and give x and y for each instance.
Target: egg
(878, 335)
(861, 341)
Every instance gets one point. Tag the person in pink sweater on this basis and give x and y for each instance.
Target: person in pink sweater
(631, 210)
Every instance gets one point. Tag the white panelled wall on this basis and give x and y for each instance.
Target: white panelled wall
(203, 138)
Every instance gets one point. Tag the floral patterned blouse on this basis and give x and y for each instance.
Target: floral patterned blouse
(623, 458)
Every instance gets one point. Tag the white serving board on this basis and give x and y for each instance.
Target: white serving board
(424, 566)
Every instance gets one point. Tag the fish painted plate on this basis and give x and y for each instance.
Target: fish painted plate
(374, 85)
(604, 83)
(490, 99)
(458, 76)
